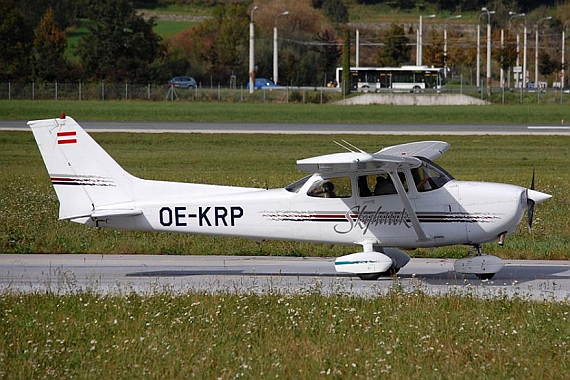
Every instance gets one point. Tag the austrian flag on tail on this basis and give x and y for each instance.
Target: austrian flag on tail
(66, 137)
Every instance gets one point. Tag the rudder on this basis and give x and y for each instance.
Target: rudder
(84, 176)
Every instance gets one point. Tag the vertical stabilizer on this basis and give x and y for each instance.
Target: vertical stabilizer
(84, 176)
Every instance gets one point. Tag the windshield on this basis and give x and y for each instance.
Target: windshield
(430, 176)
(296, 186)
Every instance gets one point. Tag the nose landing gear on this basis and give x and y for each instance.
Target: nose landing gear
(481, 265)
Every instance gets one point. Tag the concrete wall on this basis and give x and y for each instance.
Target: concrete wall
(414, 99)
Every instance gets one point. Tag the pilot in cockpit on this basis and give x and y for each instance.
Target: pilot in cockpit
(384, 186)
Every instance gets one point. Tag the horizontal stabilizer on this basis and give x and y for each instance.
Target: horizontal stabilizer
(114, 213)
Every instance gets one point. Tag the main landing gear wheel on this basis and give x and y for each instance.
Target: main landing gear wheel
(485, 276)
(483, 266)
(375, 276)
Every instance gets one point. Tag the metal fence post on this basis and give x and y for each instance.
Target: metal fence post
(79, 90)
(102, 90)
(55, 90)
(33, 90)
(321, 95)
(219, 93)
(148, 91)
(287, 94)
(241, 92)
(126, 90)
(9, 90)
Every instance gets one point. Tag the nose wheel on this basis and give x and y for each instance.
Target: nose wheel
(483, 266)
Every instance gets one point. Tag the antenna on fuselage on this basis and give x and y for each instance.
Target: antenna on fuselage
(344, 147)
(349, 146)
(352, 146)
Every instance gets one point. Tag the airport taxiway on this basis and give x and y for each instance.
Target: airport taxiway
(309, 128)
(146, 274)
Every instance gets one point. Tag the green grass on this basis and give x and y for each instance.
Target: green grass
(167, 29)
(183, 9)
(164, 28)
(228, 336)
(294, 113)
(74, 35)
(29, 207)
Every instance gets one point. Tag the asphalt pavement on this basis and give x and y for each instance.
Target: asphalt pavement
(311, 128)
(148, 274)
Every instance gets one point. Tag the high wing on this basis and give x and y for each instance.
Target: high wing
(428, 149)
(396, 156)
(349, 161)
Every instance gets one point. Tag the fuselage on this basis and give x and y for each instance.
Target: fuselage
(361, 207)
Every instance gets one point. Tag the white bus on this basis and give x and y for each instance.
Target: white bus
(410, 78)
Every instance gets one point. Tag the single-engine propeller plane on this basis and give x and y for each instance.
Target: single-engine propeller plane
(385, 201)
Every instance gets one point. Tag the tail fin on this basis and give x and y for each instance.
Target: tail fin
(84, 176)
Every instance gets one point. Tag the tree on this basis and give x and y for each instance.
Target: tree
(335, 11)
(15, 43)
(434, 50)
(120, 44)
(396, 51)
(546, 65)
(218, 47)
(49, 48)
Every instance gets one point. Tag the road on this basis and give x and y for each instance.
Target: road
(533, 279)
(311, 128)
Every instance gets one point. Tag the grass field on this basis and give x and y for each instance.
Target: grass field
(28, 205)
(229, 336)
(166, 28)
(285, 113)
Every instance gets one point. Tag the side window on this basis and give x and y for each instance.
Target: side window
(379, 184)
(338, 187)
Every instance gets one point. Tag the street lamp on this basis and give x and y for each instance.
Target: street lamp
(514, 15)
(489, 13)
(536, 52)
(419, 50)
(445, 44)
(252, 53)
(275, 68)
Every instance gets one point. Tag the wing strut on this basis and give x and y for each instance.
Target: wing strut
(408, 206)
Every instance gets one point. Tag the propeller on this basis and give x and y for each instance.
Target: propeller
(530, 204)
(534, 197)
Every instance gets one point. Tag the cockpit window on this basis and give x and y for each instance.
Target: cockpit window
(430, 176)
(378, 184)
(338, 187)
(296, 186)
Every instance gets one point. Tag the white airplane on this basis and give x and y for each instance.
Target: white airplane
(394, 198)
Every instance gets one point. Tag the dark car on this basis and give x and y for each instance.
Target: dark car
(182, 82)
(262, 83)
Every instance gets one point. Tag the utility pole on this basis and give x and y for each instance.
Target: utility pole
(275, 58)
(252, 52)
(514, 15)
(420, 40)
(357, 48)
(445, 43)
(563, 51)
(536, 52)
(489, 13)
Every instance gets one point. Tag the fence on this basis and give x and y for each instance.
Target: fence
(318, 95)
(132, 91)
